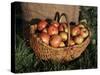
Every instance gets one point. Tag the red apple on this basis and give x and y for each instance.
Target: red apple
(52, 30)
(44, 37)
(42, 24)
(65, 27)
(44, 30)
(61, 28)
(54, 23)
(75, 31)
(55, 41)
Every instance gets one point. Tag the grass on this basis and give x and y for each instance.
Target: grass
(25, 60)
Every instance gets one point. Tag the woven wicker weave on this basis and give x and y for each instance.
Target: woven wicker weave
(46, 52)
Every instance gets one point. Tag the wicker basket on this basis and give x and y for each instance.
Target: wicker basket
(46, 52)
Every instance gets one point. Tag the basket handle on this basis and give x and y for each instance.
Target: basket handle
(57, 17)
(63, 15)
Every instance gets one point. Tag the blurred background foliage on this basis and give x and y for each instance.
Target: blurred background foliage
(25, 60)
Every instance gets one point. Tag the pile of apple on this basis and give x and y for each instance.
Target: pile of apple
(78, 34)
(56, 34)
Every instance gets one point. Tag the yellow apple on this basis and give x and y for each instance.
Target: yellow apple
(63, 36)
(62, 44)
(33, 28)
(66, 30)
(71, 43)
(84, 32)
(78, 39)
